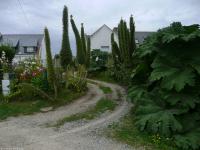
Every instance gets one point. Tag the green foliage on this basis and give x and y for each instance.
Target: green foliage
(82, 45)
(165, 84)
(9, 52)
(99, 60)
(50, 68)
(77, 81)
(26, 91)
(81, 57)
(65, 53)
(83, 39)
(126, 131)
(132, 35)
(115, 51)
(189, 140)
(26, 106)
(122, 53)
(88, 52)
(120, 73)
(41, 82)
(102, 76)
(105, 89)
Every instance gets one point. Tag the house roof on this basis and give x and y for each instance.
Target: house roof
(139, 35)
(100, 29)
(22, 39)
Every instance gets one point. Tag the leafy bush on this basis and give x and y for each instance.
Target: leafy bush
(98, 60)
(27, 69)
(27, 92)
(165, 84)
(76, 80)
(120, 73)
(30, 71)
(40, 81)
(9, 52)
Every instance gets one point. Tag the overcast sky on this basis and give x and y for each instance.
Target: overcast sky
(149, 15)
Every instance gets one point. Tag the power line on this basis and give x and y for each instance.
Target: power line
(23, 11)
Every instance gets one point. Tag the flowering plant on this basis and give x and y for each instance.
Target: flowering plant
(4, 63)
(28, 69)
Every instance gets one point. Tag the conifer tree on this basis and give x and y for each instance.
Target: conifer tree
(115, 50)
(83, 39)
(121, 39)
(88, 52)
(79, 46)
(50, 67)
(65, 53)
(127, 44)
(132, 35)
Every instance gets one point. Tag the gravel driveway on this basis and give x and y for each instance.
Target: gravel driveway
(30, 132)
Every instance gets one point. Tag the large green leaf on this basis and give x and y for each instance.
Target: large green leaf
(195, 63)
(189, 141)
(156, 120)
(179, 80)
(162, 71)
(167, 38)
(181, 99)
(137, 92)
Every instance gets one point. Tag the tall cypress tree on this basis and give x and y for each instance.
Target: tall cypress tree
(115, 50)
(88, 52)
(65, 53)
(50, 67)
(83, 39)
(80, 52)
(132, 35)
(121, 39)
(127, 44)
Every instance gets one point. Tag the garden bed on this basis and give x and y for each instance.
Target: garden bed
(27, 107)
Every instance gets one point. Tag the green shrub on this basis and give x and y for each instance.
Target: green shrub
(76, 80)
(165, 85)
(40, 81)
(99, 60)
(9, 52)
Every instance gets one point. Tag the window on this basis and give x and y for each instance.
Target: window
(105, 48)
(29, 49)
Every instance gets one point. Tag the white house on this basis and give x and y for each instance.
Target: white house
(25, 45)
(101, 39)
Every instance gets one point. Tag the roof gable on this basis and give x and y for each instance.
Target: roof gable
(103, 26)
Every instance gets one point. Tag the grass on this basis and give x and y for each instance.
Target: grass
(17, 108)
(100, 107)
(106, 90)
(102, 76)
(126, 132)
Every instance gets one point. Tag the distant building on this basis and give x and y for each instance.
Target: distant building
(25, 45)
(101, 39)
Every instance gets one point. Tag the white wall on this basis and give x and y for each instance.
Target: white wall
(22, 57)
(42, 53)
(102, 38)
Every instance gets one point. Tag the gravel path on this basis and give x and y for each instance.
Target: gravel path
(31, 133)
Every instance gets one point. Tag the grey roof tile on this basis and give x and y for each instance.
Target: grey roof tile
(139, 35)
(23, 39)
